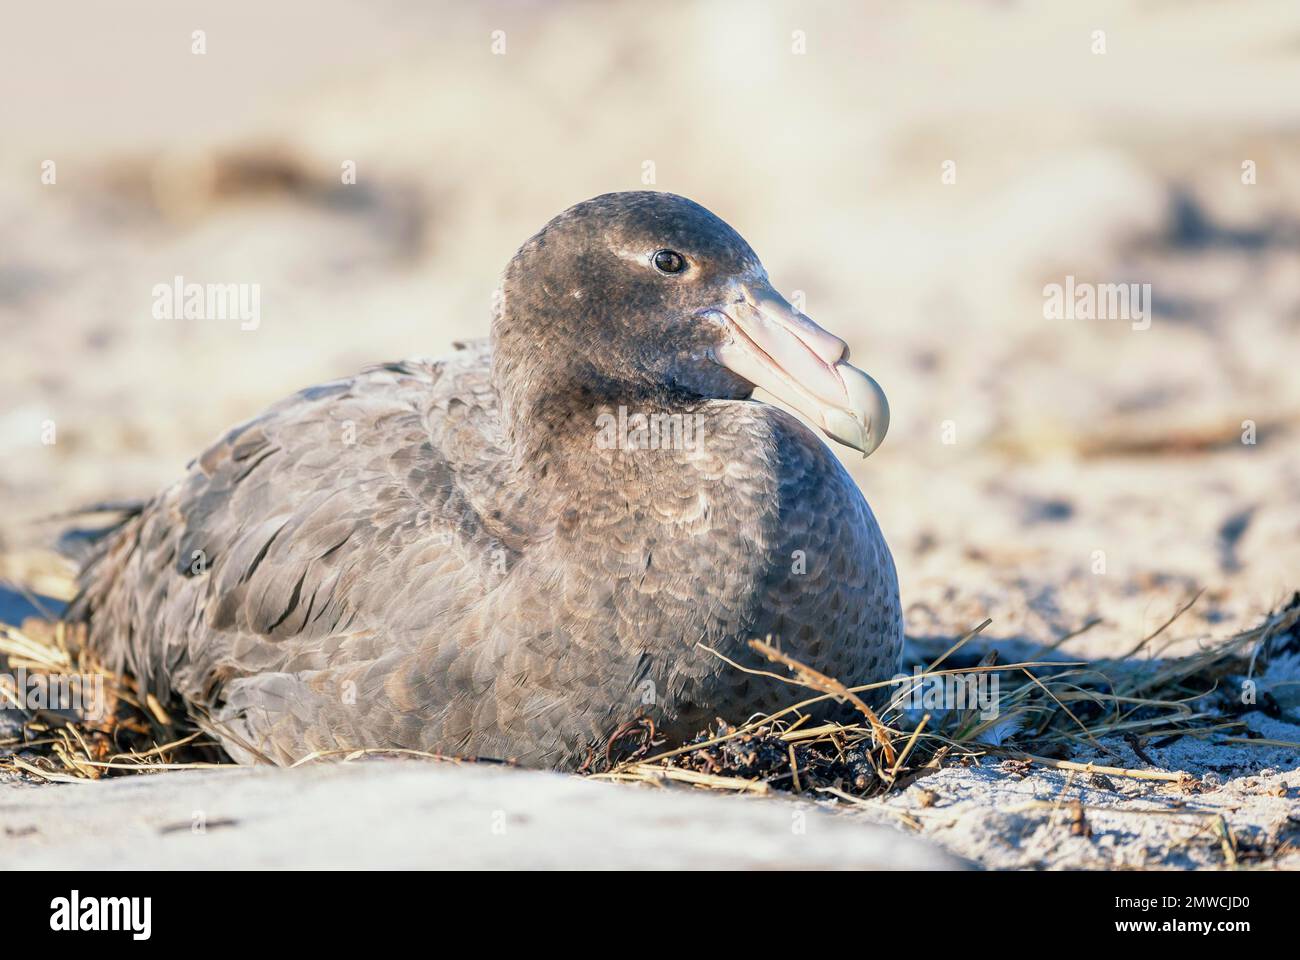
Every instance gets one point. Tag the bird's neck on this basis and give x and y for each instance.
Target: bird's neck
(621, 437)
(569, 412)
(563, 413)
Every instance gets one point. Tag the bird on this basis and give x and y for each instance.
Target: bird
(515, 550)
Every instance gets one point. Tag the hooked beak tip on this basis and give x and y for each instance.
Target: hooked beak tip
(864, 425)
(775, 347)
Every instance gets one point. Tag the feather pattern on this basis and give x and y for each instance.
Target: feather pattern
(373, 563)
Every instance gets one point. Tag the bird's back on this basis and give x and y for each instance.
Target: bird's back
(307, 546)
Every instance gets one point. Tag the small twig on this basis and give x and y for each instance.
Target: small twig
(160, 714)
(31, 768)
(350, 754)
(1164, 626)
(1096, 808)
(1227, 841)
(150, 767)
(649, 771)
(1093, 767)
(1064, 638)
(973, 632)
(911, 742)
(819, 681)
(750, 670)
(157, 751)
(812, 733)
(1135, 745)
(1260, 742)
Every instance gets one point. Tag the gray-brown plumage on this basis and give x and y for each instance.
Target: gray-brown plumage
(474, 556)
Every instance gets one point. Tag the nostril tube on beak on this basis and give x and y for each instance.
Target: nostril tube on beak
(827, 347)
(775, 347)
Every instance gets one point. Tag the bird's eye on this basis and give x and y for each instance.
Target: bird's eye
(669, 261)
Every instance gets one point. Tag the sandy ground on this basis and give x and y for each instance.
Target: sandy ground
(423, 816)
(1052, 474)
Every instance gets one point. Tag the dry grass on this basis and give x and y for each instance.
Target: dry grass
(1046, 710)
(129, 735)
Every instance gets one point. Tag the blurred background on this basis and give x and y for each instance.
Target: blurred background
(918, 172)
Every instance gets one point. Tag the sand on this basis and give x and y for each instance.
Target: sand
(1049, 473)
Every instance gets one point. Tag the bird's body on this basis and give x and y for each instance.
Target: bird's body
(492, 555)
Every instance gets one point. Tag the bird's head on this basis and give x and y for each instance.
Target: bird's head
(647, 294)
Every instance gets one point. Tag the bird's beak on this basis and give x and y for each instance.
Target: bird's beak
(774, 346)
